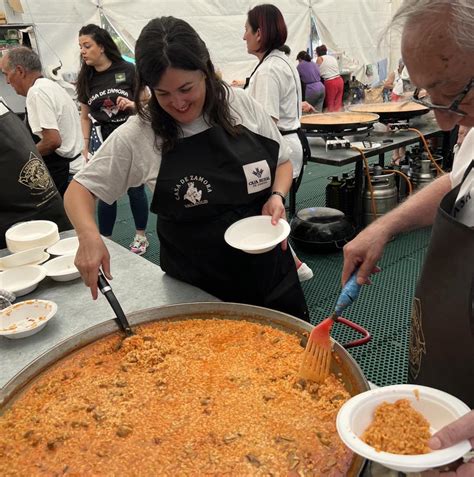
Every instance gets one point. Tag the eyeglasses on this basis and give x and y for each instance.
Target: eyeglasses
(452, 108)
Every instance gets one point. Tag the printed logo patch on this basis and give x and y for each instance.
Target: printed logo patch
(192, 190)
(120, 78)
(258, 176)
(35, 175)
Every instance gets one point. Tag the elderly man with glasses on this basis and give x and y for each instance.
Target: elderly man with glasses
(438, 50)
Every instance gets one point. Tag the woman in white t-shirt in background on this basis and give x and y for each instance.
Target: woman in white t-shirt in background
(276, 85)
(333, 82)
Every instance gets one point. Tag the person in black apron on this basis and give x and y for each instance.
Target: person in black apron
(27, 191)
(219, 173)
(442, 334)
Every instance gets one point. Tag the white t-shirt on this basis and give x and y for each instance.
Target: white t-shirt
(276, 86)
(50, 107)
(464, 208)
(130, 156)
(329, 68)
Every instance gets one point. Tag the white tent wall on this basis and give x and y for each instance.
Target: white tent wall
(219, 23)
(355, 28)
(352, 26)
(57, 23)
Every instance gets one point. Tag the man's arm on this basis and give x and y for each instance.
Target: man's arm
(418, 211)
(50, 142)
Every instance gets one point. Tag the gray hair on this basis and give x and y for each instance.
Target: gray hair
(25, 57)
(454, 16)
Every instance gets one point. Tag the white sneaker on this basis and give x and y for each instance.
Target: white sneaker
(139, 244)
(304, 272)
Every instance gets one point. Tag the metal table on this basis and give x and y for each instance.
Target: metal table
(137, 284)
(389, 140)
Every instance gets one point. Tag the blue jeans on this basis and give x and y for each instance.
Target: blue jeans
(107, 214)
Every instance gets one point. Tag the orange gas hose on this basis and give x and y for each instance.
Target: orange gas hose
(407, 179)
(427, 149)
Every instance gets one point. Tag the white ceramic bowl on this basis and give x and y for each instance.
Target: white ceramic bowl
(33, 256)
(26, 318)
(35, 233)
(438, 407)
(256, 234)
(22, 280)
(65, 246)
(62, 269)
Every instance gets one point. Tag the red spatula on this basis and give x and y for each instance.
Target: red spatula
(317, 354)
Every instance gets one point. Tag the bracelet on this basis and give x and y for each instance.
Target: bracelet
(87, 137)
(283, 198)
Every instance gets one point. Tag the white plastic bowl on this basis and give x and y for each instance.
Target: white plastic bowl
(22, 280)
(256, 234)
(35, 233)
(26, 318)
(62, 269)
(65, 246)
(438, 407)
(33, 256)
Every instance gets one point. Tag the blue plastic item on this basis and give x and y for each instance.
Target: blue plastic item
(348, 295)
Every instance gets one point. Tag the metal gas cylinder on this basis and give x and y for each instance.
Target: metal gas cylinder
(385, 194)
(422, 174)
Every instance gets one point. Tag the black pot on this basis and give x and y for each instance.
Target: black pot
(321, 229)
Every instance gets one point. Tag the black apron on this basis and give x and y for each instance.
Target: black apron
(206, 183)
(442, 334)
(57, 165)
(27, 191)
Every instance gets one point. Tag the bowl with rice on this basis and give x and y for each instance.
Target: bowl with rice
(392, 425)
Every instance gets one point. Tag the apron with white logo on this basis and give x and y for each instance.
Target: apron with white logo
(442, 334)
(206, 183)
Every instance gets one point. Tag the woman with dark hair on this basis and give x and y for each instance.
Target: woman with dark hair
(212, 156)
(105, 88)
(333, 81)
(313, 88)
(275, 84)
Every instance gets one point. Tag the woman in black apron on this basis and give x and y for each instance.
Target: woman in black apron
(207, 179)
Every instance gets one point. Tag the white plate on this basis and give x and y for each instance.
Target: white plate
(256, 234)
(438, 407)
(66, 246)
(33, 256)
(22, 280)
(62, 268)
(26, 318)
(366, 145)
(31, 234)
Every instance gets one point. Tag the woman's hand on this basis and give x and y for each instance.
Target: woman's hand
(274, 206)
(307, 108)
(124, 103)
(92, 254)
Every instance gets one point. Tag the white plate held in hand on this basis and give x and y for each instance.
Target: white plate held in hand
(256, 234)
(438, 407)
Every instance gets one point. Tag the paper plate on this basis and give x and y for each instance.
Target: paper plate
(438, 407)
(22, 280)
(65, 246)
(256, 234)
(26, 318)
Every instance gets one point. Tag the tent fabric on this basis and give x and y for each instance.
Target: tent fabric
(349, 26)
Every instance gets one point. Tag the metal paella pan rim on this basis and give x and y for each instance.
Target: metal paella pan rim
(340, 121)
(400, 106)
(343, 366)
